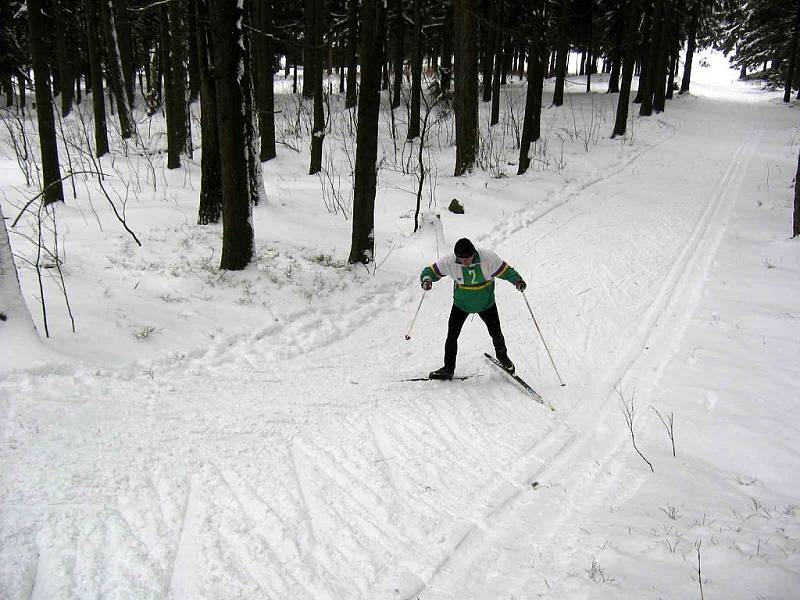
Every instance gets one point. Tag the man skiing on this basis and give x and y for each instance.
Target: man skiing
(474, 272)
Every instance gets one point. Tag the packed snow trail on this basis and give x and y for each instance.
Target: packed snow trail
(615, 240)
(289, 463)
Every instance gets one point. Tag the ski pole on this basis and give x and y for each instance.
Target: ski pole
(410, 327)
(552, 362)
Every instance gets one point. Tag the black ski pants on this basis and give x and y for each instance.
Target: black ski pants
(456, 322)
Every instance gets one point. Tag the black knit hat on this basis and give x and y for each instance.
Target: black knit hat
(464, 248)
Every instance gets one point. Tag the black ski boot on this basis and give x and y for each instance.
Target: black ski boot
(443, 373)
(506, 362)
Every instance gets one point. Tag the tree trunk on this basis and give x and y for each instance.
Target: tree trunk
(352, 42)
(98, 98)
(796, 221)
(488, 34)
(362, 249)
(65, 60)
(629, 62)
(562, 50)
(194, 53)
(210, 175)
(229, 59)
(309, 48)
(643, 50)
(264, 75)
(533, 97)
(176, 89)
(397, 41)
(465, 103)
(123, 27)
(652, 73)
(662, 64)
(787, 90)
(618, 50)
(446, 69)
(254, 173)
(51, 172)
(318, 128)
(115, 71)
(691, 42)
(416, 73)
(497, 77)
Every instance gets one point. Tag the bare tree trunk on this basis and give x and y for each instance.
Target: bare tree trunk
(65, 54)
(98, 98)
(653, 72)
(194, 52)
(264, 75)
(362, 249)
(787, 89)
(446, 70)
(397, 42)
(562, 49)
(416, 73)
(533, 98)
(309, 48)
(176, 89)
(691, 42)
(210, 175)
(115, 70)
(488, 35)
(662, 64)
(796, 222)
(351, 98)
(51, 172)
(229, 59)
(466, 84)
(318, 128)
(629, 62)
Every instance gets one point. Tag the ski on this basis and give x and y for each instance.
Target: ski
(519, 380)
(458, 378)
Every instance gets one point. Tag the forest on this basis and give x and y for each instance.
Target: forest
(433, 61)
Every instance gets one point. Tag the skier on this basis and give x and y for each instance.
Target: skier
(473, 292)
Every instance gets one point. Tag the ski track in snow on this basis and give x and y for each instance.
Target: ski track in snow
(520, 526)
(278, 481)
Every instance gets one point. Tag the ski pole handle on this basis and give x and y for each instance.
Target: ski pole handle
(552, 362)
(410, 327)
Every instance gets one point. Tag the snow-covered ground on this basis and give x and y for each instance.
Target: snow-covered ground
(245, 435)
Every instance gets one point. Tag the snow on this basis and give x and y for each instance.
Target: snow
(210, 434)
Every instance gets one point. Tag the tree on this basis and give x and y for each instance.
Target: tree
(663, 59)
(416, 73)
(691, 43)
(210, 175)
(362, 249)
(37, 38)
(629, 63)
(96, 71)
(175, 85)
(465, 103)
(116, 74)
(396, 44)
(787, 86)
(229, 66)
(264, 76)
(533, 97)
(352, 43)
(647, 84)
(562, 53)
(317, 49)
(796, 221)
(65, 57)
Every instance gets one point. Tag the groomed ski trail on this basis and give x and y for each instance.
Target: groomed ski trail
(529, 523)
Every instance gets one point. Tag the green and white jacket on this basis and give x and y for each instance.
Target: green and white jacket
(473, 287)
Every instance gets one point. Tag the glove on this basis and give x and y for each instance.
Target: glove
(427, 284)
(520, 285)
